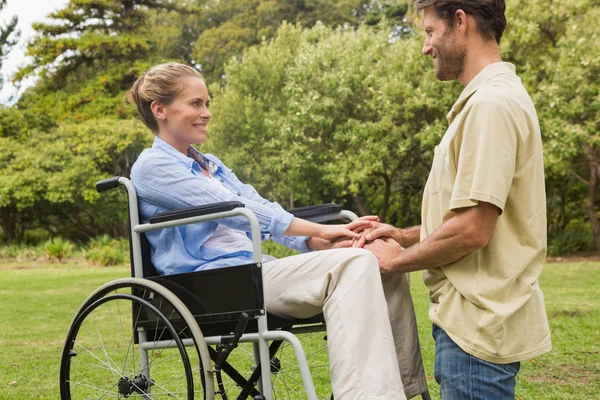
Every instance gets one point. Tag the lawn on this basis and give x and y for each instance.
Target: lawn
(38, 302)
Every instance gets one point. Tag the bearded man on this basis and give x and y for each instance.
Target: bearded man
(482, 239)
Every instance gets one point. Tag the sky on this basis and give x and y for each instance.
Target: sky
(28, 11)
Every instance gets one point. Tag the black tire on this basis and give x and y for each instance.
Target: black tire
(100, 358)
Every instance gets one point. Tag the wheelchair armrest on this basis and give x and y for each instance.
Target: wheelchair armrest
(107, 184)
(195, 211)
(315, 211)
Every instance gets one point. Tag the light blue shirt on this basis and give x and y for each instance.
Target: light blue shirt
(166, 180)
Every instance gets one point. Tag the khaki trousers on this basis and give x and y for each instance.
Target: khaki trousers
(371, 329)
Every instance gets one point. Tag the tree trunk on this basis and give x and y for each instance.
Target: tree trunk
(590, 204)
(386, 197)
(360, 205)
(12, 224)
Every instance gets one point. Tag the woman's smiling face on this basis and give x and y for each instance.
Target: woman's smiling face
(183, 122)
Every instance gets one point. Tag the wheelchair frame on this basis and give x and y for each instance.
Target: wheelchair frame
(259, 339)
(193, 315)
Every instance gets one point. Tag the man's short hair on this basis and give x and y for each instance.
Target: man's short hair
(489, 14)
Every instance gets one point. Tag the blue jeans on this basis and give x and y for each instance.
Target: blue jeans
(464, 377)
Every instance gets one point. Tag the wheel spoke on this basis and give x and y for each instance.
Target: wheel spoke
(100, 338)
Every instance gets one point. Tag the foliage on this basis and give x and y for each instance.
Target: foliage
(58, 249)
(569, 242)
(346, 110)
(106, 251)
(8, 37)
(48, 180)
(20, 252)
(227, 28)
(88, 55)
(557, 47)
(332, 115)
(277, 250)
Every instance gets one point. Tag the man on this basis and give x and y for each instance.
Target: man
(482, 242)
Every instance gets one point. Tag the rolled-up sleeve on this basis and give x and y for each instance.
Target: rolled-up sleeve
(293, 242)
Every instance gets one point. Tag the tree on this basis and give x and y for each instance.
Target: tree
(556, 46)
(226, 28)
(333, 115)
(47, 181)
(90, 53)
(8, 37)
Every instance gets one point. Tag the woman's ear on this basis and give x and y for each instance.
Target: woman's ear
(158, 109)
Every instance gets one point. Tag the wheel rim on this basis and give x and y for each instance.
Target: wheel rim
(285, 374)
(101, 359)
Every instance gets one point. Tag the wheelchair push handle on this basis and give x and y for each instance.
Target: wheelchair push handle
(107, 184)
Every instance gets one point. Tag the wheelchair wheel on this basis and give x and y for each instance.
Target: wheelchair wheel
(285, 374)
(129, 340)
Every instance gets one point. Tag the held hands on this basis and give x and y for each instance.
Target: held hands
(383, 241)
(339, 236)
(351, 231)
(385, 249)
(377, 230)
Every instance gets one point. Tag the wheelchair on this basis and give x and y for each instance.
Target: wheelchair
(155, 336)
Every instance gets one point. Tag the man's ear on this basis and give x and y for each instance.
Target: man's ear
(460, 20)
(158, 109)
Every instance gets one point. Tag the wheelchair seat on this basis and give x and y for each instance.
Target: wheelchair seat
(201, 309)
(217, 297)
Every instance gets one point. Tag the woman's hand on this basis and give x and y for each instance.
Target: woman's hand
(315, 243)
(330, 236)
(352, 230)
(332, 241)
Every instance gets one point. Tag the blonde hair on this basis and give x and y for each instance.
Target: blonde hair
(161, 83)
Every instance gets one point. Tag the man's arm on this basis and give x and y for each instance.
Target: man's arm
(409, 236)
(469, 230)
(405, 237)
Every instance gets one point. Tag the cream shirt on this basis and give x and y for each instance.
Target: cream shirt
(489, 302)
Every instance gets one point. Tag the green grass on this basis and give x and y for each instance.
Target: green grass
(39, 300)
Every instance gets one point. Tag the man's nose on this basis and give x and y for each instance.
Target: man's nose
(426, 48)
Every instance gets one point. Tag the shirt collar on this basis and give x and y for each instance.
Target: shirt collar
(193, 155)
(480, 79)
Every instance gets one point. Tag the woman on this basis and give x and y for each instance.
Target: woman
(344, 284)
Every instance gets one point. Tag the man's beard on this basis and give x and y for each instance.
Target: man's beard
(451, 62)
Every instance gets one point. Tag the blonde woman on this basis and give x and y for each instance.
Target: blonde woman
(343, 283)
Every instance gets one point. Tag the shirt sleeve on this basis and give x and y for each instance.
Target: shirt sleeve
(292, 242)
(486, 156)
(173, 186)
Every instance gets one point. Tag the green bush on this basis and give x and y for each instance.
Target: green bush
(58, 248)
(571, 241)
(20, 252)
(105, 250)
(277, 250)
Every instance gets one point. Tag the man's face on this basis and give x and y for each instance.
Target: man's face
(441, 44)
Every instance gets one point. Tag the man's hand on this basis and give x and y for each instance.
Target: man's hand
(386, 250)
(378, 230)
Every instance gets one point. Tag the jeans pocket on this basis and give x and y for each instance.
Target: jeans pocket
(513, 368)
